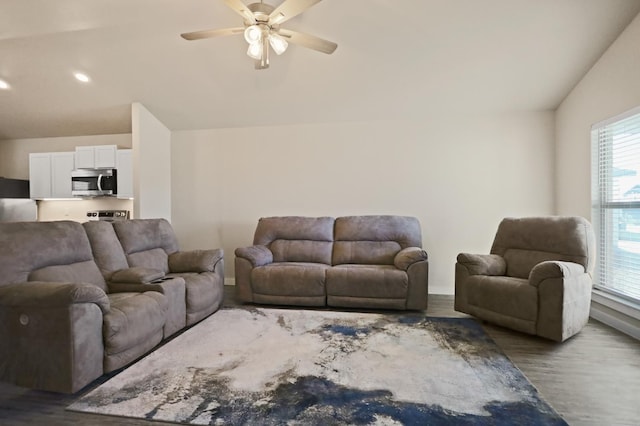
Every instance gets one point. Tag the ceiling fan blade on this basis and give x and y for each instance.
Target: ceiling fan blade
(288, 9)
(309, 41)
(241, 9)
(197, 35)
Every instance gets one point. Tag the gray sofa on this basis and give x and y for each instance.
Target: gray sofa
(75, 305)
(536, 279)
(355, 261)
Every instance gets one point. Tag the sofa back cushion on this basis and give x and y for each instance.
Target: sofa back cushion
(525, 242)
(374, 240)
(296, 239)
(107, 250)
(147, 242)
(46, 251)
(78, 272)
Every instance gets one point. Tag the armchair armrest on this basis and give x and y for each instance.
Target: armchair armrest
(408, 256)
(554, 269)
(195, 260)
(564, 298)
(42, 294)
(483, 264)
(257, 255)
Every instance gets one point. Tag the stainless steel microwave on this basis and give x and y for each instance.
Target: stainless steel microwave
(94, 182)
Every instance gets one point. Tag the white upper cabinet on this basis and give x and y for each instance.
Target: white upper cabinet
(62, 164)
(40, 175)
(50, 174)
(96, 157)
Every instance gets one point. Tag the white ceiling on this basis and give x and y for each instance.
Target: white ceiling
(395, 58)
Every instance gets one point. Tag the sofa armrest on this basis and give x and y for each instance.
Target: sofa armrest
(42, 294)
(121, 287)
(554, 269)
(195, 260)
(173, 288)
(483, 264)
(408, 256)
(257, 255)
(52, 334)
(136, 275)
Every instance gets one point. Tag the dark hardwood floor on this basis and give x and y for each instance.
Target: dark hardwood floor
(592, 379)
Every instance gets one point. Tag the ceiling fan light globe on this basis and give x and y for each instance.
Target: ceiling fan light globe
(252, 34)
(278, 43)
(255, 50)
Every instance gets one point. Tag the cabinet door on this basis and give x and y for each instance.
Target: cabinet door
(40, 175)
(125, 173)
(84, 157)
(105, 156)
(62, 164)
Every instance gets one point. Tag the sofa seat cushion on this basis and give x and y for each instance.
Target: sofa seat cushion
(371, 281)
(512, 297)
(290, 279)
(133, 319)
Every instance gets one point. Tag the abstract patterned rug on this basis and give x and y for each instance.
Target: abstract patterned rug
(260, 366)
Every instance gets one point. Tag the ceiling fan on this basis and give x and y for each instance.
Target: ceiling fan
(262, 29)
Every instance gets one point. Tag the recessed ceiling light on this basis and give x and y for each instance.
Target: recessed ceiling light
(4, 85)
(81, 77)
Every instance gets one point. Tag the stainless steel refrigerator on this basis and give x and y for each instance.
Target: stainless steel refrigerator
(15, 205)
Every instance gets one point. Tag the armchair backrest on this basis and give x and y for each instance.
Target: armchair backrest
(525, 242)
(147, 242)
(47, 251)
(296, 238)
(374, 240)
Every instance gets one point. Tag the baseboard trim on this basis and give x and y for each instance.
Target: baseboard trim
(610, 312)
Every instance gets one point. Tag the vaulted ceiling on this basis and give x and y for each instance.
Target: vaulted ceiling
(395, 58)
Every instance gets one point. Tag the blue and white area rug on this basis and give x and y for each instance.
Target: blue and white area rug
(304, 367)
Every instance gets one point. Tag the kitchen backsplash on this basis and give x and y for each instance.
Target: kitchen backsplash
(77, 209)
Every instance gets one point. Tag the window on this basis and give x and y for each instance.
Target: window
(616, 203)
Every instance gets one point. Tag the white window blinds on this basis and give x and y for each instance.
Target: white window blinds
(616, 203)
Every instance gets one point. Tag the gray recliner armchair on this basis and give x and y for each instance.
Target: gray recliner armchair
(537, 278)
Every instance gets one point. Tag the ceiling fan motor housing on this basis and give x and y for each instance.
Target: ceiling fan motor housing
(261, 12)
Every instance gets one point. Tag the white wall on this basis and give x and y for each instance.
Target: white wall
(458, 174)
(151, 143)
(611, 87)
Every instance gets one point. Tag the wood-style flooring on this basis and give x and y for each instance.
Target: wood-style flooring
(592, 379)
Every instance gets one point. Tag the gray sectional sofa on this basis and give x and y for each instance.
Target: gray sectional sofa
(355, 261)
(80, 301)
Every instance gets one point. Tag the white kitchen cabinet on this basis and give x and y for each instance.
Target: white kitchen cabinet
(40, 175)
(125, 173)
(96, 157)
(62, 164)
(50, 174)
